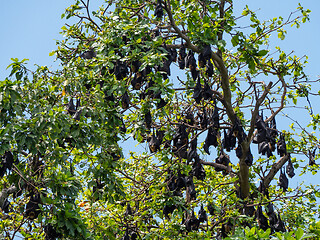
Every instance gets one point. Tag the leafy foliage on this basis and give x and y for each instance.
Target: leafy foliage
(179, 80)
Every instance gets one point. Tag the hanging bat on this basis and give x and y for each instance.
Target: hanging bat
(203, 119)
(281, 146)
(290, 168)
(197, 93)
(312, 155)
(279, 226)
(148, 119)
(120, 70)
(168, 209)
(182, 56)
(262, 220)
(283, 181)
(202, 215)
(191, 188)
(125, 100)
(211, 140)
(71, 108)
(158, 12)
(32, 209)
(197, 169)
(210, 209)
(154, 144)
(88, 54)
(207, 92)
(209, 68)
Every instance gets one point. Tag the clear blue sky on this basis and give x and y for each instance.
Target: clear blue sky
(29, 30)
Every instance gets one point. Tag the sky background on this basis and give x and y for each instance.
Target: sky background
(29, 29)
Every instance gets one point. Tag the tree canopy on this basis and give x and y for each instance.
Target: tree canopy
(168, 119)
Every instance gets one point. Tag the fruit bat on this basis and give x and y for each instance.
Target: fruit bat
(203, 119)
(263, 190)
(249, 211)
(190, 61)
(262, 220)
(210, 208)
(229, 141)
(125, 101)
(192, 151)
(160, 135)
(312, 155)
(158, 12)
(181, 181)
(207, 92)
(120, 70)
(279, 226)
(249, 158)
(281, 146)
(201, 60)
(264, 148)
(50, 232)
(88, 54)
(215, 117)
(136, 82)
(198, 170)
(32, 207)
(209, 68)
(122, 128)
(273, 219)
(211, 140)
(262, 132)
(128, 210)
(182, 56)
(5, 206)
(206, 52)
(126, 236)
(226, 229)
(168, 209)
(222, 159)
(191, 188)
(148, 119)
(154, 144)
(135, 65)
(173, 54)
(189, 118)
(283, 181)
(269, 209)
(71, 108)
(237, 131)
(8, 160)
(289, 168)
(239, 151)
(134, 236)
(180, 141)
(192, 223)
(273, 128)
(202, 215)
(197, 93)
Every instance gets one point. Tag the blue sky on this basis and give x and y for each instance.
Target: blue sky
(30, 30)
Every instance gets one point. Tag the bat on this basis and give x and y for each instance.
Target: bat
(290, 168)
(281, 146)
(283, 180)
(202, 215)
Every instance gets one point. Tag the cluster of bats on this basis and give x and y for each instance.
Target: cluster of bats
(207, 119)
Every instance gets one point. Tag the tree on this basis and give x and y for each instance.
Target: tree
(207, 164)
